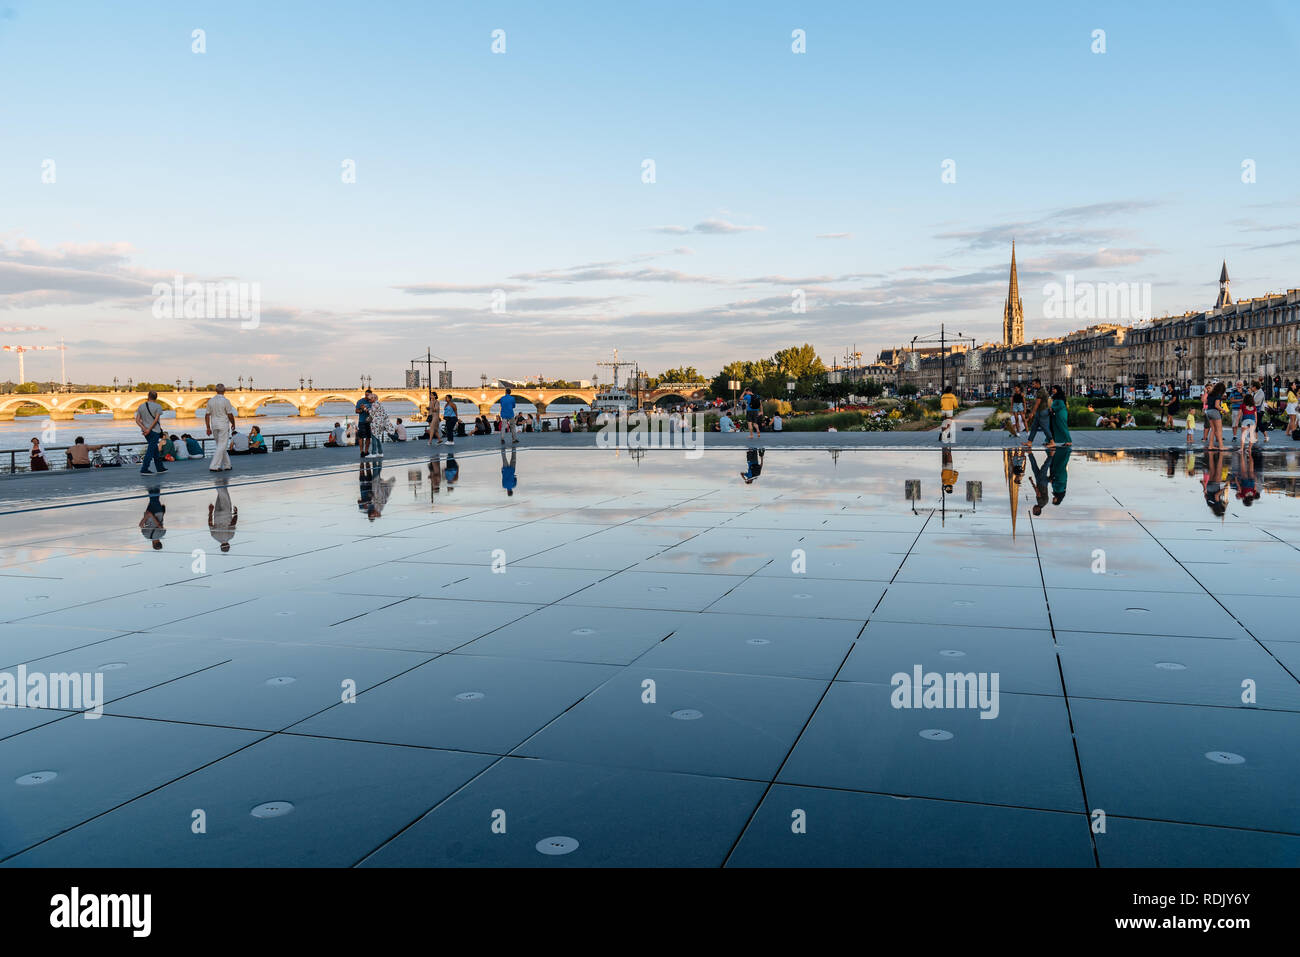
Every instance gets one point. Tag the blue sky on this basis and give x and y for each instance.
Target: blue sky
(522, 172)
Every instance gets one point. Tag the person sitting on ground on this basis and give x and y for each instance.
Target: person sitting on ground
(1103, 421)
(79, 454)
(777, 423)
(38, 457)
(399, 432)
(238, 443)
(167, 447)
(566, 425)
(338, 435)
(350, 434)
(193, 446)
(1130, 422)
(256, 444)
(725, 424)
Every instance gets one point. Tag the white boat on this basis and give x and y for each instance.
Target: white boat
(613, 400)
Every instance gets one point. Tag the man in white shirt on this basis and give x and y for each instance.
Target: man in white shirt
(220, 420)
(777, 424)
(238, 443)
(399, 431)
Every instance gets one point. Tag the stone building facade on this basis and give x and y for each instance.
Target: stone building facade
(1242, 339)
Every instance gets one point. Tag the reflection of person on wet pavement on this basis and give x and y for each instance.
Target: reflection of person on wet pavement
(508, 477)
(1244, 464)
(435, 475)
(151, 523)
(222, 516)
(1038, 480)
(374, 489)
(948, 475)
(1212, 482)
(753, 463)
(452, 471)
(1057, 474)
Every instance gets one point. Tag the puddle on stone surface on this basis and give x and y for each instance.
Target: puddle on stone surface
(422, 612)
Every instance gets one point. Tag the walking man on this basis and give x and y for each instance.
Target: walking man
(753, 405)
(147, 418)
(220, 420)
(450, 417)
(1040, 415)
(507, 414)
(363, 423)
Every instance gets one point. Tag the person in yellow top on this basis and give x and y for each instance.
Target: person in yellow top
(947, 474)
(948, 404)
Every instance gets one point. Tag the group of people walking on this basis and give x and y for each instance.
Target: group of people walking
(1040, 410)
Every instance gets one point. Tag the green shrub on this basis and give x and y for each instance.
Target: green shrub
(776, 407)
(843, 422)
(809, 405)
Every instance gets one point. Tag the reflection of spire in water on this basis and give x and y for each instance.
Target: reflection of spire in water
(835, 456)
(1013, 487)
(636, 454)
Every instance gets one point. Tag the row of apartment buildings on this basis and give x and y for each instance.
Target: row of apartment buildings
(1244, 339)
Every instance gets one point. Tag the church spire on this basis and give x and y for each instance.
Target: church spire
(1225, 298)
(1013, 313)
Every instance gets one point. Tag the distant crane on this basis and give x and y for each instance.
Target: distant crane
(22, 350)
(616, 365)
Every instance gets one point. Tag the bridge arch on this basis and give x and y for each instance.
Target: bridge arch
(12, 403)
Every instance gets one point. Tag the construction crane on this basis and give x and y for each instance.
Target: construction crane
(22, 350)
(616, 365)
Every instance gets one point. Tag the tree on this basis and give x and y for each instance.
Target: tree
(28, 388)
(799, 362)
(680, 374)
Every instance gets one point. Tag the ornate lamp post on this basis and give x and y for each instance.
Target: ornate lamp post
(1239, 343)
(241, 383)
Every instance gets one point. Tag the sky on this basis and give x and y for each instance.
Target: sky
(501, 214)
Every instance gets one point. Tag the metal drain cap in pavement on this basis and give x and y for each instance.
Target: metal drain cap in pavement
(583, 631)
(757, 641)
(687, 714)
(112, 665)
(936, 734)
(1170, 666)
(952, 653)
(272, 809)
(554, 846)
(36, 777)
(469, 696)
(1225, 757)
(281, 681)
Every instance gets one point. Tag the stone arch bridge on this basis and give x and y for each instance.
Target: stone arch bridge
(63, 406)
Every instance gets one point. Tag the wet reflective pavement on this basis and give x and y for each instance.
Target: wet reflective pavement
(588, 658)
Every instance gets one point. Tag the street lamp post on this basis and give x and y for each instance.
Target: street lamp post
(1239, 343)
(734, 386)
(240, 380)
